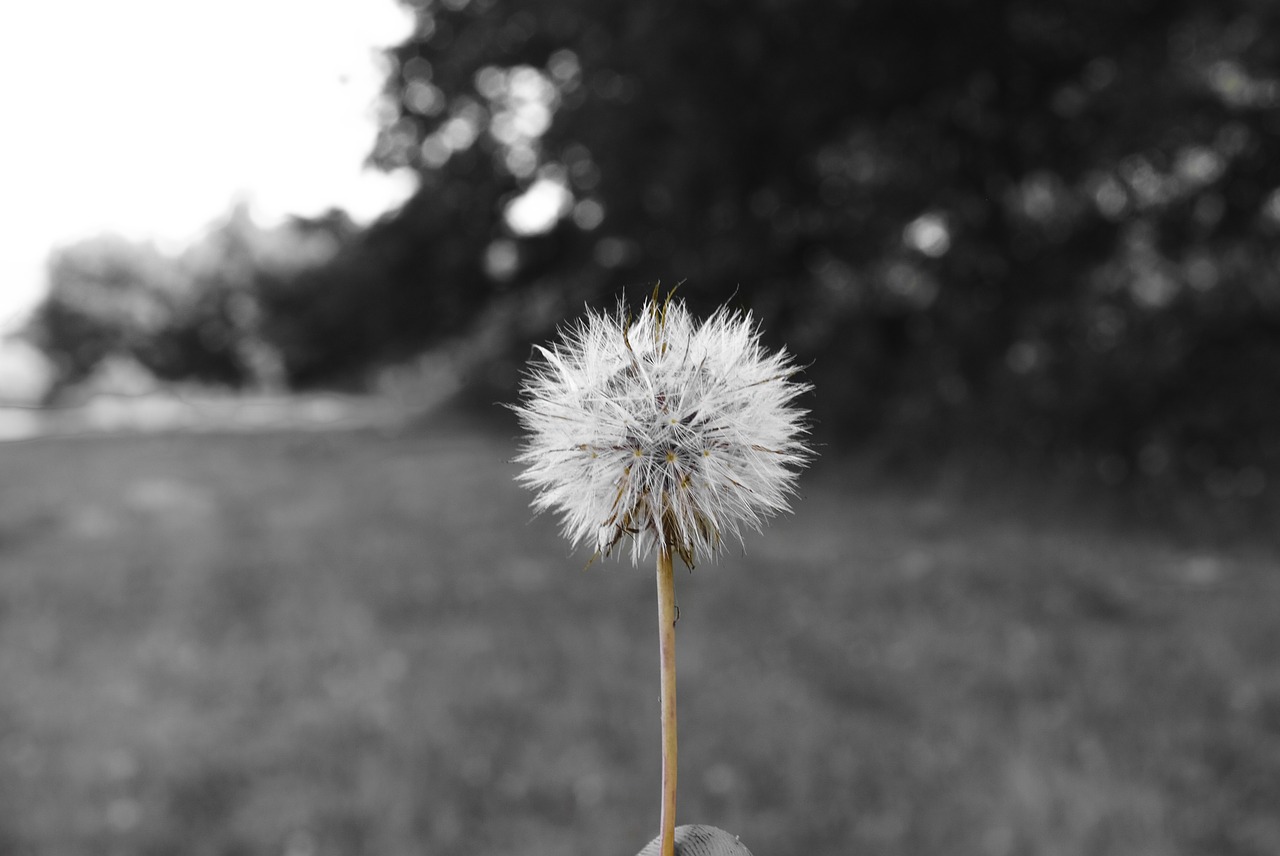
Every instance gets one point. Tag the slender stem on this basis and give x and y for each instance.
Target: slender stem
(667, 647)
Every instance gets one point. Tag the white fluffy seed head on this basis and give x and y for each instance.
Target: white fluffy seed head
(662, 429)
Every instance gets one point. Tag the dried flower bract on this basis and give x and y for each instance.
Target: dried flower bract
(659, 428)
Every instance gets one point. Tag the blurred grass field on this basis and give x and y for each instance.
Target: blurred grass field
(362, 643)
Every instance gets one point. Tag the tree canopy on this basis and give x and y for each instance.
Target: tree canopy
(1052, 225)
(1044, 222)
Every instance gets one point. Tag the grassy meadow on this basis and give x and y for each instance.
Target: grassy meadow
(336, 643)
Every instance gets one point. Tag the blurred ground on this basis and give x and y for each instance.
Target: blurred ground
(344, 642)
(171, 412)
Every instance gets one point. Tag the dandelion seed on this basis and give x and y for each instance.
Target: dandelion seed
(671, 433)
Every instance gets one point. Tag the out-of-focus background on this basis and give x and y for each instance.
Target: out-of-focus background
(267, 586)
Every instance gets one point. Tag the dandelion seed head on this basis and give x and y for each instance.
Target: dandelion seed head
(671, 433)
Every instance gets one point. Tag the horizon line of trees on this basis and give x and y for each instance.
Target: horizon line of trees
(1051, 227)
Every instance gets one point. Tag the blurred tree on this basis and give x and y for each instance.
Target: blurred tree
(106, 296)
(1038, 223)
(380, 297)
(1045, 226)
(196, 316)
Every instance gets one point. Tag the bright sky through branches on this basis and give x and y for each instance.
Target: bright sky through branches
(149, 118)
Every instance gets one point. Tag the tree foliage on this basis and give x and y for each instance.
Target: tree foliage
(1049, 224)
(196, 316)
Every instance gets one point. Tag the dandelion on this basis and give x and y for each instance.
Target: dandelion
(667, 433)
(661, 430)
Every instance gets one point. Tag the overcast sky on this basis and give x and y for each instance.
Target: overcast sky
(151, 117)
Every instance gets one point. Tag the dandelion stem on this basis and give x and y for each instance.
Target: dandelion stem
(667, 648)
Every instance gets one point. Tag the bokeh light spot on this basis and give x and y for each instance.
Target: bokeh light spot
(928, 234)
(537, 210)
(423, 98)
(588, 214)
(501, 259)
